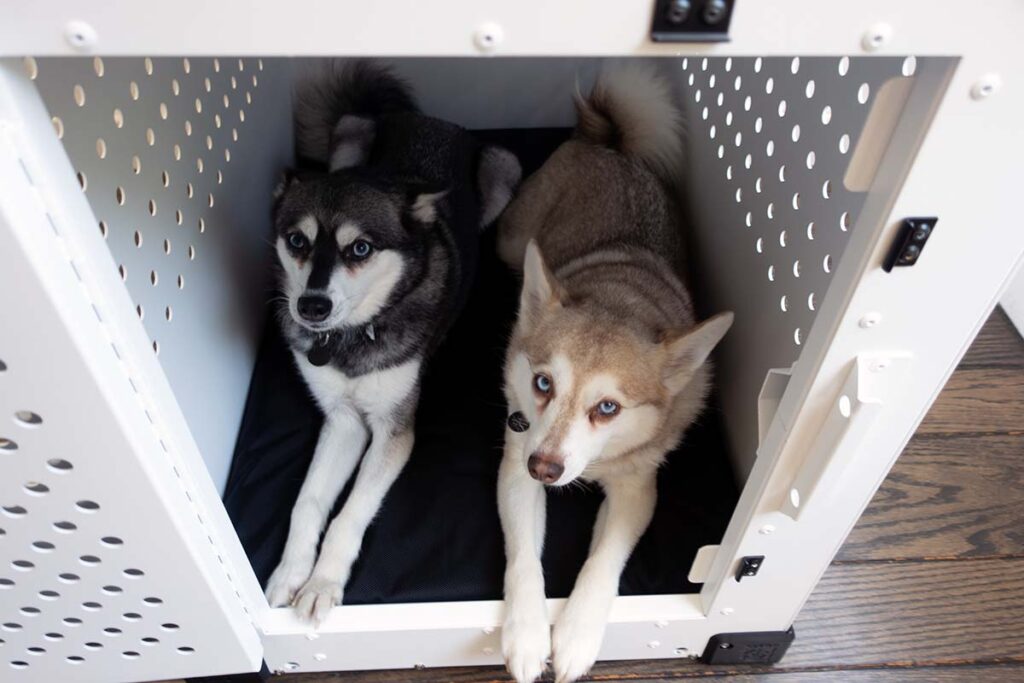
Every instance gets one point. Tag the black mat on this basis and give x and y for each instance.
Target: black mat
(437, 537)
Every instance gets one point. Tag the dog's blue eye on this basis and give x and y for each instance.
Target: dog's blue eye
(361, 249)
(542, 383)
(297, 240)
(608, 408)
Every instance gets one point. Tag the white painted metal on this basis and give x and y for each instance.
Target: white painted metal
(164, 149)
(111, 566)
(965, 172)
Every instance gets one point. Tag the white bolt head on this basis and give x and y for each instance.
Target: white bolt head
(312, 636)
(488, 630)
(766, 529)
(876, 36)
(654, 644)
(726, 611)
(870, 319)
(488, 36)
(987, 85)
(319, 656)
(661, 623)
(80, 35)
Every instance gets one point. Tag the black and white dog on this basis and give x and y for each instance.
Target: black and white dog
(378, 252)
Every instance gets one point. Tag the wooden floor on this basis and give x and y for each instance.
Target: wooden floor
(930, 584)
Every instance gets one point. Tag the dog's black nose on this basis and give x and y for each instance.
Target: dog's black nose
(314, 308)
(545, 468)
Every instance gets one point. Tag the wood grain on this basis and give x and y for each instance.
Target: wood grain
(979, 400)
(997, 344)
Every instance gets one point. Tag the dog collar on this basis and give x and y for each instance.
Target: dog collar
(320, 352)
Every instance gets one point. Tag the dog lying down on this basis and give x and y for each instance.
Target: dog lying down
(378, 251)
(607, 364)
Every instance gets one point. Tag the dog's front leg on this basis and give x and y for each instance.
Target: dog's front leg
(388, 452)
(526, 634)
(624, 515)
(341, 442)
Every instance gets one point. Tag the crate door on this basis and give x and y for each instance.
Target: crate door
(111, 568)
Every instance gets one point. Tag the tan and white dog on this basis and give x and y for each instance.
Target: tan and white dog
(606, 362)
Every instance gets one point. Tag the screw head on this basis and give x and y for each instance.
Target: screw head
(986, 86)
(766, 529)
(488, 36)
(876, 36)
(681, 651)
(654, 644)
(870, 319)
(726, 611)
(80, 35)
(319, 656)
(488, 630)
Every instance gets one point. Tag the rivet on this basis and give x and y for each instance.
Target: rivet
(312, 636)
(488, 36)
(488, 630)
(661, 623)
(488, 650)
(987, 85)
(319, 656)
(876, 36)
(726, 611)
(80, 35)
(654, 645)
(766, 529)
(870, 319)
(681, 651)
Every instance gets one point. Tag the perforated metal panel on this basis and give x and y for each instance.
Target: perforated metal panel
(770, 142)
(178, 159)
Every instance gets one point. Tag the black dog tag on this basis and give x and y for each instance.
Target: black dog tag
(517, 422)
(319, 354)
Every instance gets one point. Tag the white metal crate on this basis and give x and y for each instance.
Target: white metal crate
(147, 436)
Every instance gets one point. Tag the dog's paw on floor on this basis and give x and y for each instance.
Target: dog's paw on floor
(526, 646)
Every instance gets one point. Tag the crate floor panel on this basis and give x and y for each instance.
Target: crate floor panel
(437, 536)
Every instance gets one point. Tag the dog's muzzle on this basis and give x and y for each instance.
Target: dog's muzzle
(545, 468)
(314, 308)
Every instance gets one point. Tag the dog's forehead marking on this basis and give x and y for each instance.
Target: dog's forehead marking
(308, 226)
(346, 233)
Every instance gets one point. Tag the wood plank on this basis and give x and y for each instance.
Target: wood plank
(998, 343)
(999, 673)
(979, 400)
(954, 496)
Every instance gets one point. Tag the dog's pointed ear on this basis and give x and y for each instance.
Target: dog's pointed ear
(541, 290)
(289, 177)
(351, 141)
(688, 351)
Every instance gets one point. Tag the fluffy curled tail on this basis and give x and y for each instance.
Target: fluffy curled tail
(335, 109)
(631, 110)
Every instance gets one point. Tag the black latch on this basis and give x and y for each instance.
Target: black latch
(910, 240)
(760, 647)
(691, 21)
(749, 566)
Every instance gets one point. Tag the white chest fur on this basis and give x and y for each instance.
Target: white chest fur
(375, 394)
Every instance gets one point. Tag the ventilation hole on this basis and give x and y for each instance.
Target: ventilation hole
(31, 67)
(130, 654)
(111, 541)
(259, 65)
(101, 148)
(782, 108)
(863, 93)
(156, 347)
(712, 132)
(217, 120)
(241, 112)
(181, 282)
(186, 65)
(14, 511)
(18, 664)
(188, 128)
(207, 84)
(782, 238)
(49, 595)
(179, 218)
(844, 221)
(136, 165)
(112, 631)
(844, 144)
(58, 127)
(27, 418)
(826, 263)
(845, 407)
(844, 66)
(177, 152)
(53, 635)
(79, 94)
(92, 645)
(797, 337)
(711, 81)
(826, 189)
(234, 134)
(168, 314)
(36, 651)
(153, 601)
(92, 606)
(83, 182)
(826, 115)
(209, 142)
(133, 90)
(811, 159)
(199, 165)
(739, 138)
(749, 219)
(165, 179)
(11, 626)
(227, 156)
(3, 366)
(163, 110)
(759, 245)
(796, 201)
(68, 577)
(234, 85)
(810, 230)
(796, 268)
(152, 207)
(721, 151)
(150, 640)
(75, 659)
(746, 104)
(72, 621)
(134, 573)
(154, 278)
(150, 137)
(6, 583)
(104, 230)
(771, 273)
(175, 87)
(739, 195)
(202, 225)
(89, 560)
(64, 527)
(43, 546)
(757, 185)
(188, 190)
(770, 211)
(30, 611)
(909, 66)
(137, 238)
(199, 106)
(120, 196)
(186, 650)
(782, 173)
(123, 272)
(784, 303)
(809, 89)
(769, 85)
(140, 311)
(167, 247)
(169, 626)
(738, 83)
(757, 65)
(795, 134)
(191, 253)
(769, 149)
(118, 118)
(758, 124)
(131, 616)
(728, 172)
(112, 590)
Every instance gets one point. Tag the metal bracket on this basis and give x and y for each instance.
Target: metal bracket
(873, 380)
(759, 647)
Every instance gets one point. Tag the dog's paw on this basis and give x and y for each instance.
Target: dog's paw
(526, 645)
(285, 582)
(315, 599)
(576, 642)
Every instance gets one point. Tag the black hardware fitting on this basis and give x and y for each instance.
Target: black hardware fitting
(691, 21)
(763, 647)
(910, 241)
(749, 566)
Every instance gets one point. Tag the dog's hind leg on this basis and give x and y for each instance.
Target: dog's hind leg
(342, 440)
(526, 635)
(388, 452)
(625, 514)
